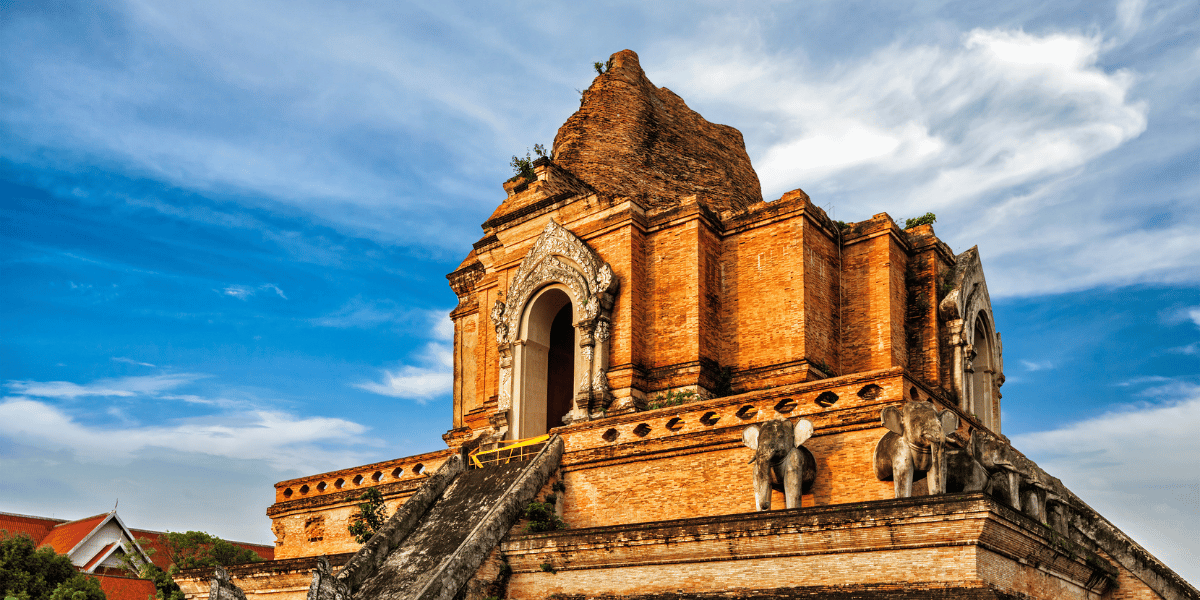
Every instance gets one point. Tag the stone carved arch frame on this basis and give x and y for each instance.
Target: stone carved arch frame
(978, 365)
(561, 260)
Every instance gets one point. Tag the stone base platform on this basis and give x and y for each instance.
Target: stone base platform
(960, 546)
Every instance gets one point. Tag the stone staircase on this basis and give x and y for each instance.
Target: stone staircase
(438, 539)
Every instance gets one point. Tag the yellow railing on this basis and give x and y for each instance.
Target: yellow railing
(506, 451)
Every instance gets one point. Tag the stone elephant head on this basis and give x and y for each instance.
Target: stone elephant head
(1012, 478)
(915, 443)
(780, 460)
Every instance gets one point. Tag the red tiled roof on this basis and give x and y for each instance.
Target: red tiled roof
(34, 527)
(125, 588)
(67, 535)
(99, 555)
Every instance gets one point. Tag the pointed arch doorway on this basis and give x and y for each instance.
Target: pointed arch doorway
(548, 356)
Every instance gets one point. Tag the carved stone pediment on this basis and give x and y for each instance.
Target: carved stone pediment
(560, 257)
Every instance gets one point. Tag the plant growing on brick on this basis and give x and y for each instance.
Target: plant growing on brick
(370, 516)
(673, 398)
(542, 517)
(925, 219)
(523, 167)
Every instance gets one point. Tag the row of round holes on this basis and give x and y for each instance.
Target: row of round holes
(787, 405)
(358, 480)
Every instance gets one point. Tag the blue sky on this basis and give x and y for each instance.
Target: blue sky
(226, 226)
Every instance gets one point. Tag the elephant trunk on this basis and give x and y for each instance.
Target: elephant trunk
(937, 466)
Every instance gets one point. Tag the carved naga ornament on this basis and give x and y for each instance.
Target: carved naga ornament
(560, 257)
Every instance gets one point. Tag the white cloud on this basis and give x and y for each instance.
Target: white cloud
(1036, 365)
(242, 292)
(414, 383)
(435, 375)
(123, 386)
(282, 440)
(1007, 135)
(139, 363)
(1137, 467)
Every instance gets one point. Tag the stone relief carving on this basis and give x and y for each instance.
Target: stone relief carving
(221, 588)
(602, 330)
(560, 257)
(324, 585)
(959, 310)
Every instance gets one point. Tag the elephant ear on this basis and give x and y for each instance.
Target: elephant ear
(949, 421)
(892, 420)
(750, 437)
(804, 430)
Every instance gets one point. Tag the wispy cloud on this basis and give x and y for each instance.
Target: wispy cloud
(242, 292)
(122, 359)
(1037, 365)
(1002, 133)
(121, 387)
(283, 440)
(433, 375)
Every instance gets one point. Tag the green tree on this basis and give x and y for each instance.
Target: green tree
(370, 516)
(31, 573)
(198, 549)
(164, 585)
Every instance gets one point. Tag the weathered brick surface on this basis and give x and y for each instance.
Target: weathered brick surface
(934, 543)
(309, 521)
(632, 139)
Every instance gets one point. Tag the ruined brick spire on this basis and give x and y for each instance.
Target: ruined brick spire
(630, 138)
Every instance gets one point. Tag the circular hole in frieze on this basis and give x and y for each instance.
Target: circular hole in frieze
(610, 435)
(641, 430)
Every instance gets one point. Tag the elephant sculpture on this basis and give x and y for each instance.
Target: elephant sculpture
(915, 442)
(780, 460)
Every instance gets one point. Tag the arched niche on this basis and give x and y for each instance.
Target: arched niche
(976, 368)
(545, 357)
(981, 372)
(559, 271)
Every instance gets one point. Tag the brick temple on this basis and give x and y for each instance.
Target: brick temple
(636, 301)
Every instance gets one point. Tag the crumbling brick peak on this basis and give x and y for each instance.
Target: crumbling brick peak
(630, 138)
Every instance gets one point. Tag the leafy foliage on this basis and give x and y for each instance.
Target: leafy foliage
(523, 167)
(542, 517)
(673, 398)
(602, 67)
(29, 573)
(925, 219)
(370, 516)
(164, 585)
(195, 549)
